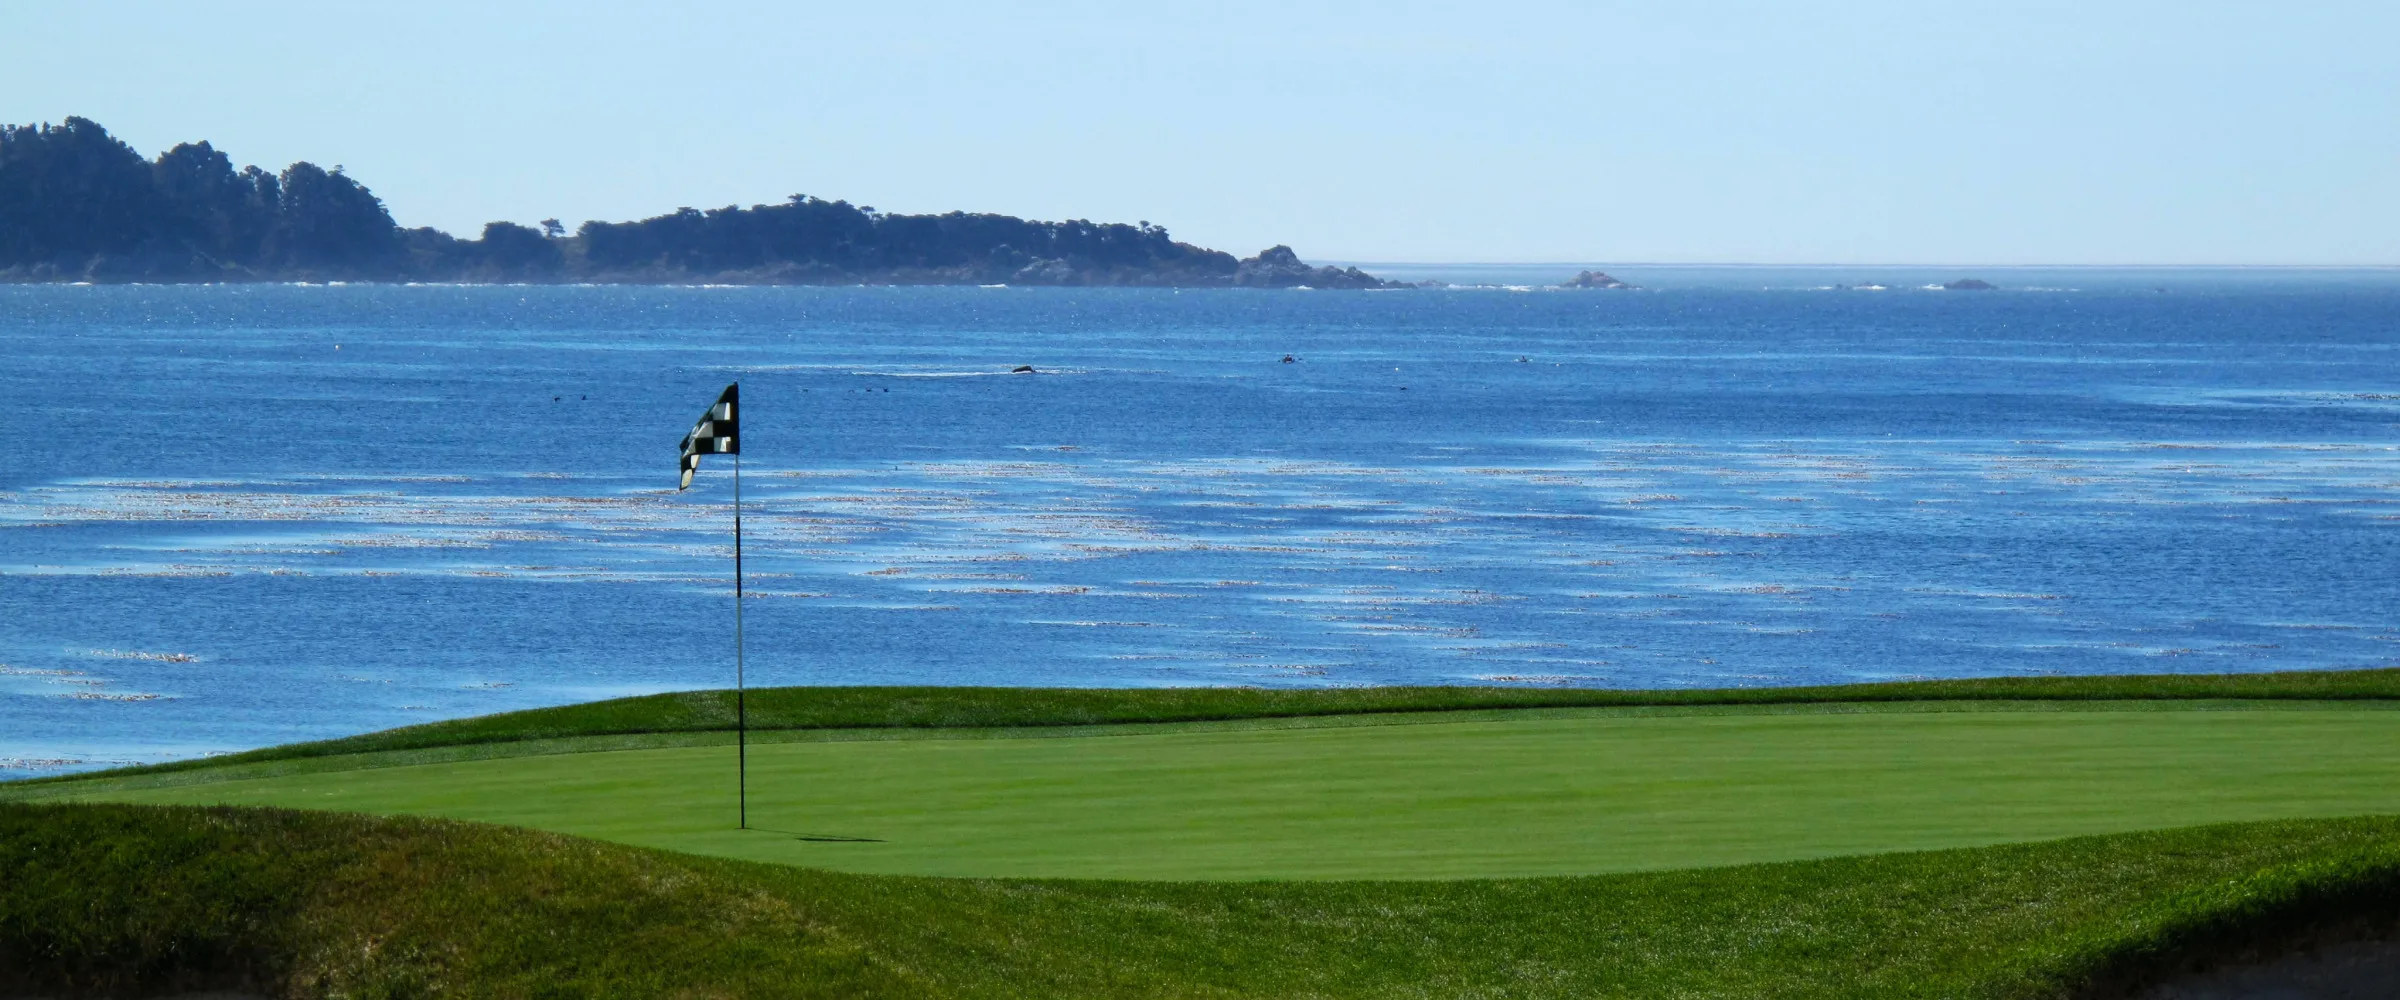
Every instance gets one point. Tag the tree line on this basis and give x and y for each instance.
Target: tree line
(77, 204)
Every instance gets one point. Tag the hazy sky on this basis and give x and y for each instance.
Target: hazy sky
(1906, 132)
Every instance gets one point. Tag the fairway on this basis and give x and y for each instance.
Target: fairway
(1569, 792)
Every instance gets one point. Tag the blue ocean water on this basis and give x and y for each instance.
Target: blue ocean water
(241, 515)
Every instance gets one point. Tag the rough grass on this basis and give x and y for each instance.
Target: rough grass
(841, 708)
(123, 898)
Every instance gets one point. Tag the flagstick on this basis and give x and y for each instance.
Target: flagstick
(741, 712)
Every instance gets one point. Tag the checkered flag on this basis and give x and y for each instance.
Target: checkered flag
(719, 432)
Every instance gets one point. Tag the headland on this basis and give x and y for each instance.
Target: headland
(79, 205)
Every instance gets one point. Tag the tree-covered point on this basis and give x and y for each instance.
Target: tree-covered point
(77, 204)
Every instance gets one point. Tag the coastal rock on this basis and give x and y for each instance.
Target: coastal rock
(1970, 285)
(1044, 271)
(1274, 267)
(1594, 279)
(1279, 267)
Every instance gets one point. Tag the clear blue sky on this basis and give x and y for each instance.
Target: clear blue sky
(1869, 132)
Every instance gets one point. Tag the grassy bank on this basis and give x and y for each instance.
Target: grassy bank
(819, 708)
(99, 897)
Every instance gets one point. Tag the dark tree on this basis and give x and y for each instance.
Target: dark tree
(70, 193)
(510, 252)
(330, 225)
(223, 217)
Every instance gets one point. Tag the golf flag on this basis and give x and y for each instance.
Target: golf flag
(719, 432)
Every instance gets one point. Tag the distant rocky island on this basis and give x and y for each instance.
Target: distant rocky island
(77, 204)
(1594, 279)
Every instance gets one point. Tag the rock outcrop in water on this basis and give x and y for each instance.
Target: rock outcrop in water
(77, 204)
(1593, 279)
(1278, 267)
(1970, 285)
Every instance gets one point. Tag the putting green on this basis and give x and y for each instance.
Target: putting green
(1558, 794)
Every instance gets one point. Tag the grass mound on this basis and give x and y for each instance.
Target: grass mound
(122, 898)
(821, 708)
(118, 900)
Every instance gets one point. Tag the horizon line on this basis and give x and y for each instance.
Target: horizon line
(1363, 263)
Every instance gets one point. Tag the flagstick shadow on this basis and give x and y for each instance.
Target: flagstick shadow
(820, 838)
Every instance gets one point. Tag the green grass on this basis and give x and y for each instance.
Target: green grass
(123, 899)
(1795, 822)
(1552, 792)
(823, 708)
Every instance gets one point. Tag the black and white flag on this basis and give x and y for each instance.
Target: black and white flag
(719, 432)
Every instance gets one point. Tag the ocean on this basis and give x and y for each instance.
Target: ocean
(233, 516)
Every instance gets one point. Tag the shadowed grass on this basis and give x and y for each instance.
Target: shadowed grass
(842, 708)
(122, 898)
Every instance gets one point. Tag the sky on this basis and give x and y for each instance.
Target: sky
(1922, 132)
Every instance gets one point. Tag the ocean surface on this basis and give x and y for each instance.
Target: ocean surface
(244, 515)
